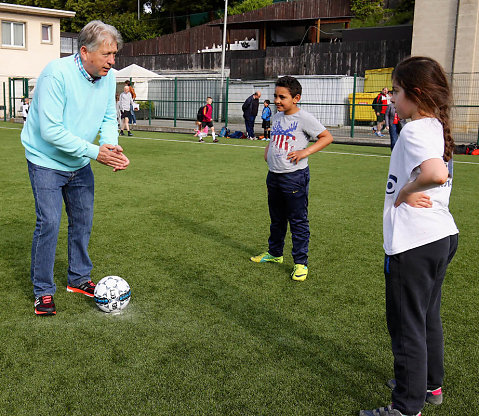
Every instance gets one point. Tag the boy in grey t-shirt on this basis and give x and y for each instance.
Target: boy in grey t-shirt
(288, 177)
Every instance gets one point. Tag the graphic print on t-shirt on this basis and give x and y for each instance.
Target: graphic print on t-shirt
(283, 140)
(391, 185)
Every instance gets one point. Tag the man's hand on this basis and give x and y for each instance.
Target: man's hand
(113, 156)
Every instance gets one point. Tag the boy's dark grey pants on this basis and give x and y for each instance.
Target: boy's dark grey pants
(288, 202)
(413, 301)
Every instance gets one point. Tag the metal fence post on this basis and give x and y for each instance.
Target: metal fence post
(353, 112)
(13, 99)
(226, 101)
(9, 98)
(176, 98)
(4, 103)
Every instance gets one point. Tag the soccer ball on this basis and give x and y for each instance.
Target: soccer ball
(112, 293)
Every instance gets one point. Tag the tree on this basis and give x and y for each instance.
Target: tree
(373, 13)
(120, 13)
(367, 12)
(163, 16)
(248, 5)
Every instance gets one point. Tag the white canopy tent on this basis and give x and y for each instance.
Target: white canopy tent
(139, 77)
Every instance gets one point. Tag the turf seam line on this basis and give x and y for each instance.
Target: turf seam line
(259, 147)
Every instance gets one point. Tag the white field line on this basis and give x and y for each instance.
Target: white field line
(258, 147)
(262, 148)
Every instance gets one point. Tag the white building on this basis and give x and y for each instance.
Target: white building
(29, 40)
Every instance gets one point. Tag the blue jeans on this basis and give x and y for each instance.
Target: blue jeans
(51, 187)
(394, 134)
(132, 116)
(249, 124)
(288, 202)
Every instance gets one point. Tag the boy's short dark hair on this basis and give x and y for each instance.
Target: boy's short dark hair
(127, 82)
(291, 84)
(267, 102)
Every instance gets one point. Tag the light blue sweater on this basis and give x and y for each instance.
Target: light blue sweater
(66, 114)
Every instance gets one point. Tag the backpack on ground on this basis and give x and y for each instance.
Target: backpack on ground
(470, 148)
(224, 132)
(236, 135)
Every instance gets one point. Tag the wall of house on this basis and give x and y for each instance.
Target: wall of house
(27, 61)
(30, 60)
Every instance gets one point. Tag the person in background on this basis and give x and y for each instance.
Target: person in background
(393, 122)
(132, 117)
(266, 117)
(250, 111)
(199, 119)
(380, 105)
(207, 120)
(74, 101)
(118, 112)
(25, 107)
(124, 103)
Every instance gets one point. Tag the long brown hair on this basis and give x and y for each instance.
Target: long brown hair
(425, 83)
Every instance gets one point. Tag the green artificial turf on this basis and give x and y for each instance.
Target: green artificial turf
(207, 332)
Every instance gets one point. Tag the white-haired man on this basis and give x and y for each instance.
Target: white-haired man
(250, 111)
(74, 101)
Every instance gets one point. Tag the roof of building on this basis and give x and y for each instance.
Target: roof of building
(293, 11)
(38, 11)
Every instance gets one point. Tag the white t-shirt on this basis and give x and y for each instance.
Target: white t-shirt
(406, 227)
(25, 107)
(289, 133)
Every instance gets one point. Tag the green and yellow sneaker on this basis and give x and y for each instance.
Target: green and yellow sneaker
(266, 257)
(300, 272)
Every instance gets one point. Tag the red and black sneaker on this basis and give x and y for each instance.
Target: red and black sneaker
(44, 305)
(87, 288)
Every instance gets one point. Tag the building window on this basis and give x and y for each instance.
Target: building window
(68, 45)
(13, 34)
(46, 33)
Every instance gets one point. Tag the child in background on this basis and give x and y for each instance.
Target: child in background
(25, 107)
(266, 116)
(420, 236)
(208, 119)
(199, 119)
(288, 177)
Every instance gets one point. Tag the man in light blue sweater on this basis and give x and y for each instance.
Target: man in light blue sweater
(74, 101)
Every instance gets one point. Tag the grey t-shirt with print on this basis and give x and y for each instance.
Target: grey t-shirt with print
(289, 133)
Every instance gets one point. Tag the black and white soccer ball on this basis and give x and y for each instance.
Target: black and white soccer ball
(112, 293)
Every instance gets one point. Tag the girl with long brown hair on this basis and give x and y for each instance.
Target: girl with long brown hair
(420, 236)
